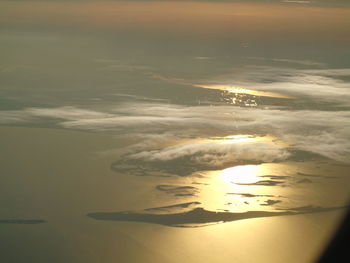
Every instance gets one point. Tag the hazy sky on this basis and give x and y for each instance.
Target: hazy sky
(220, 19)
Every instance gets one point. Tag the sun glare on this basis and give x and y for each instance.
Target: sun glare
(237, 188)
(230, 139)
(222, 183)
(234, 139)
(240, 90)
(242, 138)
(244, 174)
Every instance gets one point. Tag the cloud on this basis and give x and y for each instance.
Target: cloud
(187, 158)
(291, 61)
(211, 154)
(38, 115)
(168, 135)
(152, 125)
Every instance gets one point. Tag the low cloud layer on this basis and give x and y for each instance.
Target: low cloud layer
(178, 139)
(325, 133)
(211, 154)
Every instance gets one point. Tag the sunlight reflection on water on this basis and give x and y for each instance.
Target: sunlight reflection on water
(237, 189)
(242, 96)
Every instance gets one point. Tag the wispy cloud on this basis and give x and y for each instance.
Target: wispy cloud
(302, 62)
(322, 132)
(166, 133)
(213, 155)
(37, 115)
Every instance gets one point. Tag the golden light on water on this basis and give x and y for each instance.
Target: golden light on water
(233, 139)
(240, 90)
(235, 189)
(241, 138)
(243, 174)
(245, 138)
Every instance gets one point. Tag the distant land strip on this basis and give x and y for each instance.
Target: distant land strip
(22, 221)
(199, 216)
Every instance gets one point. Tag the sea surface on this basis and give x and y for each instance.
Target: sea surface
(173, 131)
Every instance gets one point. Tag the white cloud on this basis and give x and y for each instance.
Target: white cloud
(38, 114)
(159, 129)
(215, 154)
(326, 133)
(66, 113)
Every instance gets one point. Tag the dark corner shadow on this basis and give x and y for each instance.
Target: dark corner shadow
(338, 248)
(199, 216)
(22, 221)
